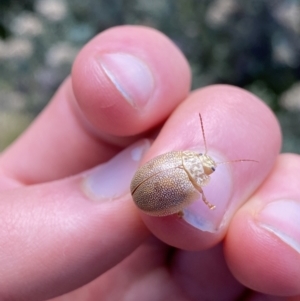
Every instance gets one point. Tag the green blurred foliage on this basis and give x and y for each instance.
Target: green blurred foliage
(251, 44)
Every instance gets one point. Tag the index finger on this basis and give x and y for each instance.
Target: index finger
(237, 126)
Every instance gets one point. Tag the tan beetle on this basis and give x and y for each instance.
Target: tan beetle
(168, 183)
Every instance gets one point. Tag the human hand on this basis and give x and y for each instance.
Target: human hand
(69, 231)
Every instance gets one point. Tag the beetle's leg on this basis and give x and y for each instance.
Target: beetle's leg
(210, 206)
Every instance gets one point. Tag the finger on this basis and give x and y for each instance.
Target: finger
(125, 81)
(141, 276)
(59, 236)
(204, 275)
(140, 97)
(237, 126)
(263, 243)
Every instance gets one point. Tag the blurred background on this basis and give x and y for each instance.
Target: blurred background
(251, 44)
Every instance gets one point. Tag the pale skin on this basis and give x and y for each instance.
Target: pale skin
(112, 251)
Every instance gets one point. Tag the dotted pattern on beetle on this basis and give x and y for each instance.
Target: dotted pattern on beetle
(154, 166)
(162, 186)
(166, 193)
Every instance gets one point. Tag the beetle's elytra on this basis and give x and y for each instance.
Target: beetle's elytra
(168, 183)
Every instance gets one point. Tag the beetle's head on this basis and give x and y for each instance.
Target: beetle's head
(209, 165)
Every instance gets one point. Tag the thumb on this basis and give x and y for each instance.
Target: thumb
(58, 236)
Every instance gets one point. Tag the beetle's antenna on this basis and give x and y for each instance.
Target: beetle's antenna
(203, 134)
(234, 161)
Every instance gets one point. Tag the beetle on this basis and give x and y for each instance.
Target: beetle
(169, 182)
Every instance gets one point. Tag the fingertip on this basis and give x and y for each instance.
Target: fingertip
(237, 126)
(260, 261)
(262, 245)
(125, 74)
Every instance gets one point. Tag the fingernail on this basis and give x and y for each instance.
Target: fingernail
(111, 180)
(218, 192)
(281, 218)
(130, 75)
